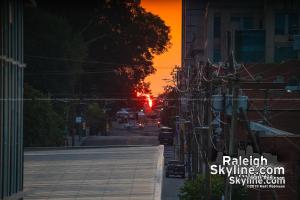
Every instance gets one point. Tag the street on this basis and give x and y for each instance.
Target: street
(122, 165)
(146, 136)
(118, 135)
(96, 173)
(171, 185)
(137, 99)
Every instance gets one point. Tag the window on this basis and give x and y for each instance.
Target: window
(250, 46)
(284, 52)
(243, 23)
(217, 27)
(293, 23)
(247, 23)
(217, 55)
(286, 23)
(279, 23)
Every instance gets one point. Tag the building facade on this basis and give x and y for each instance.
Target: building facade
(11, 103)
(245, 49)
(257, 31)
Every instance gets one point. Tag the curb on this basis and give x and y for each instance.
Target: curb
(82, 147)
(159, 174)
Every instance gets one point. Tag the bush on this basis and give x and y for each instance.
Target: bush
(42, 125)
(96, 119)
(197, 189)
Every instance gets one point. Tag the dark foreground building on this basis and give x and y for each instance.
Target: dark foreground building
(11, 93)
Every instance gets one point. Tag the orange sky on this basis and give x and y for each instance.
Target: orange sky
(170, 12)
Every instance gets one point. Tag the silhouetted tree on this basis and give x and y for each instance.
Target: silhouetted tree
(121, 39)
(50, 50)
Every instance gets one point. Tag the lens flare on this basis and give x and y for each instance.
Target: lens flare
(147, 96)
(149, 100)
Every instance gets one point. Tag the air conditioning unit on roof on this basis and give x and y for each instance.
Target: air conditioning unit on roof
(218, 101)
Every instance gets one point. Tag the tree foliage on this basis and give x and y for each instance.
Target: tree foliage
(170, 102)
(42, 125)
(121, 39)
(50, 47)
(96, 118)
(197, 189)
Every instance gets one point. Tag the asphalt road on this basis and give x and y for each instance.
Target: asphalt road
(121, 136)
(102, 173)
(146, 136)
(125, 173)
(171, 185)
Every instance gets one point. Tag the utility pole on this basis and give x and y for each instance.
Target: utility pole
(209, 133)
(235, 101)
(266, 107)
(235, 93)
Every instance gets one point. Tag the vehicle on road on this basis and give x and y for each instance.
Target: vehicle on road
(126, 114)
(165, 138)
(128, 126)
(166, 129)
(140, 125)
(158, 124)
(175, 168)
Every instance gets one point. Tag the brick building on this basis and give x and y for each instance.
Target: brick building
(264, 39)
(275, 98)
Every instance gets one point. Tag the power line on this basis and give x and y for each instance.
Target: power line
(77, 60)
(64, 59)
(55, 73)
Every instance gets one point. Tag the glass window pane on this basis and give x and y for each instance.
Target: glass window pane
(217, 54)
(248, 23)
(284, 52)
(279, 24)
(293, 23)
(250, 46)
(217, 27)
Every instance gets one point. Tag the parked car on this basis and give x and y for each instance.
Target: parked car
(166, 129)
(165, 138)
(175, 168)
